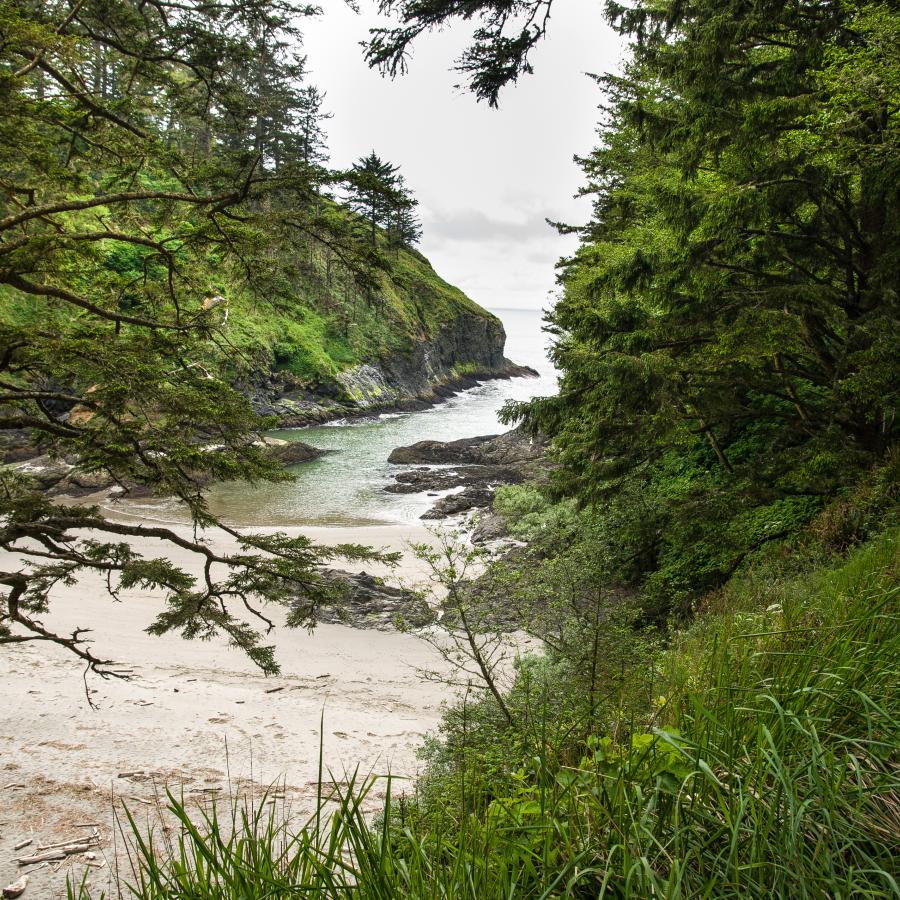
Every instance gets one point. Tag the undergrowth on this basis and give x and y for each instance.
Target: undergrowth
(759, 758)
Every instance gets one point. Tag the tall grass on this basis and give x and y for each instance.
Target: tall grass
(772, 771)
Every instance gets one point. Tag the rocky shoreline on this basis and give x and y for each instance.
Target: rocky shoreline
(477, 465)
(472, 468)
(295, 407)
(465, 353)
(63, 477)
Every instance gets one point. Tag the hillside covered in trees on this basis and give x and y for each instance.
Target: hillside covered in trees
(166, 167)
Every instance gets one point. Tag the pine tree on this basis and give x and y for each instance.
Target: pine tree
(404, 228)
(311, 139)
(372, 192)
(146, 194)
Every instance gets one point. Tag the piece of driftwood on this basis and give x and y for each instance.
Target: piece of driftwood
(82, 847)
(16, 888)
(41, 857)
(73, 842)
(142, 800)
(22, 844)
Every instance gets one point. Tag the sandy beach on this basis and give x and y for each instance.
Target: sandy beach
(198, 716)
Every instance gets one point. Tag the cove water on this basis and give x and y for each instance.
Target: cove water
(346, 487)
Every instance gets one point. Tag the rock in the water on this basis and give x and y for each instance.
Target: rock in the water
(418, 480)
(370, 603)
(78, 483)
(291, 453)
(16, 446)
(465, 451)
(514, 448)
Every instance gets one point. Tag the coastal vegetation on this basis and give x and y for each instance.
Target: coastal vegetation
(712, 566)
(750, 754)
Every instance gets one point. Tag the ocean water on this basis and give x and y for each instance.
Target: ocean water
(345, 487)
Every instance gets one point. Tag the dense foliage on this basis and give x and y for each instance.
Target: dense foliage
(728, 332)
(715, 712)
(754, 757)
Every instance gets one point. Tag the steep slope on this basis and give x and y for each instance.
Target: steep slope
(331, 350)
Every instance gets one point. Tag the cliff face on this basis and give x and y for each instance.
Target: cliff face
(325, 353)
(465, 350)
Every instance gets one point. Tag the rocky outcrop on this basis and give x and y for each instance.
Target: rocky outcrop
(474, 497)
(465, 351)
(66, 478)
(426, 479)
(478, 466)
(367, 602)
(292, 453)
(513, 449)
(488, 527)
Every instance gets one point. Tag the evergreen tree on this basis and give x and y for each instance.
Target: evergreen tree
(311, 138)
(136, 153)
(404, 228)
(372, 192)
(731, 322)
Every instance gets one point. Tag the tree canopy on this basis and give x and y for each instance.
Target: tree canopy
(378, 193)
(155, 159)
(728, 330)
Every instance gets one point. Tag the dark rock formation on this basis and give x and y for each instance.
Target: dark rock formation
(479, 464)
(475, 497)
(466, 451)
(291, 453)
(64, 478)
(45, 471)
(16, 446)
(425, 479)
(78, 483)
(370, 603)
(488, 527)
(512, 449)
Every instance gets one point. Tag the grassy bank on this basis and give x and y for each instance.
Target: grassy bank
(293, 309)
(323, 323)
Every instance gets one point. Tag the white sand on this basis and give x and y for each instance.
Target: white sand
(59, 759)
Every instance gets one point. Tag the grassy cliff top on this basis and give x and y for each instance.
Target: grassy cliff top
(303, 313)
(324, 323)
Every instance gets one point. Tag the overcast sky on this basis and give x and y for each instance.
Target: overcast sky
(486, 179)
